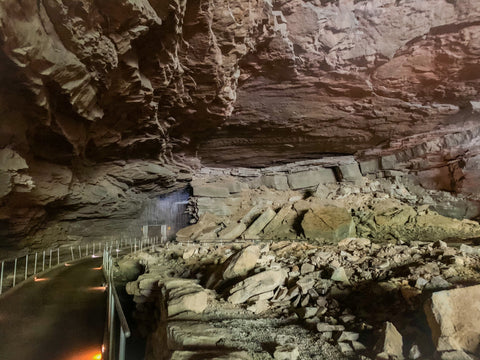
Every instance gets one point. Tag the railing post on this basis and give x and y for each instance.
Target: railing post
(1, 277)
(14, 272)
(26, 266)
(71, 250)
(163, 232)
(50, 261)
(35, 266)
(86, 249)
(58, 255)
(121, 351)
(111, 348)
(79, 252)
(93, 251)
(43, 264)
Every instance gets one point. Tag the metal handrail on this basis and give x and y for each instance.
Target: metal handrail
(114, 304)
(121, 314)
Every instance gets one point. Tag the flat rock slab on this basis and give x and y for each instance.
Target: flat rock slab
(259, 224)
(328, 223)
(205, 225)
(307, 179)
(257, 284)
(454, 318)
(193, 335)
(241, 262)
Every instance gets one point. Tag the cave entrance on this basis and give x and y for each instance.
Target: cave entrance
(169, 210)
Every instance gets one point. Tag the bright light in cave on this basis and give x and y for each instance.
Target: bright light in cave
(86, 354)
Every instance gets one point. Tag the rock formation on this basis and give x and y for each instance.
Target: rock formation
(90, 88)
(354, 300)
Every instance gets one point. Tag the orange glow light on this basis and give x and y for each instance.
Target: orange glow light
(40, 279)
(97, 268)
(89, 354)
(67, 264)
(97, 288)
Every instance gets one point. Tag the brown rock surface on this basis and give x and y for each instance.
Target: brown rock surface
(86, 84)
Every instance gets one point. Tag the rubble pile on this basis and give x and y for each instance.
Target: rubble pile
(295, 300)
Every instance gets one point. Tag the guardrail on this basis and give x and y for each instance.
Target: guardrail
(113, 349)
(15, 270)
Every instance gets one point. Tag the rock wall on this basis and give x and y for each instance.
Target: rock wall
(324, 201)
(247, 83)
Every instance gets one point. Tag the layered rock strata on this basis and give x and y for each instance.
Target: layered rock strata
(245, 83)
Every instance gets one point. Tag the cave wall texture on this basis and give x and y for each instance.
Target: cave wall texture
(106, 103)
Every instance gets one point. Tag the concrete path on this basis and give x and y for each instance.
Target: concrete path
(60, 317)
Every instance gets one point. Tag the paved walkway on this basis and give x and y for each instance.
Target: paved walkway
(61, 317)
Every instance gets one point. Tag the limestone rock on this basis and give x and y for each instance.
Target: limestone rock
(232, 231)
(211, 190)
(340, 275)
(259, 224)
(390, 343)
(242, 262)
(205, 224)
(307, 179)
(453, 318)
(330, 224)
(257, 284)
(129, 268)
(278, 182)
(282, 216)
(11, 161)
(350, 172)
(189, 334)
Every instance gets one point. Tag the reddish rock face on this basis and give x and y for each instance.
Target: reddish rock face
(234, 83)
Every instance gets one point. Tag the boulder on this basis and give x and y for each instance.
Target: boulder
(453, 317)
(129, 268)
(257, 284)
(311, 178)
(232, 231)
(242, 262)
(390, 343)
(259, 224)
(205, 224)
(330, 224)
(195, 301)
